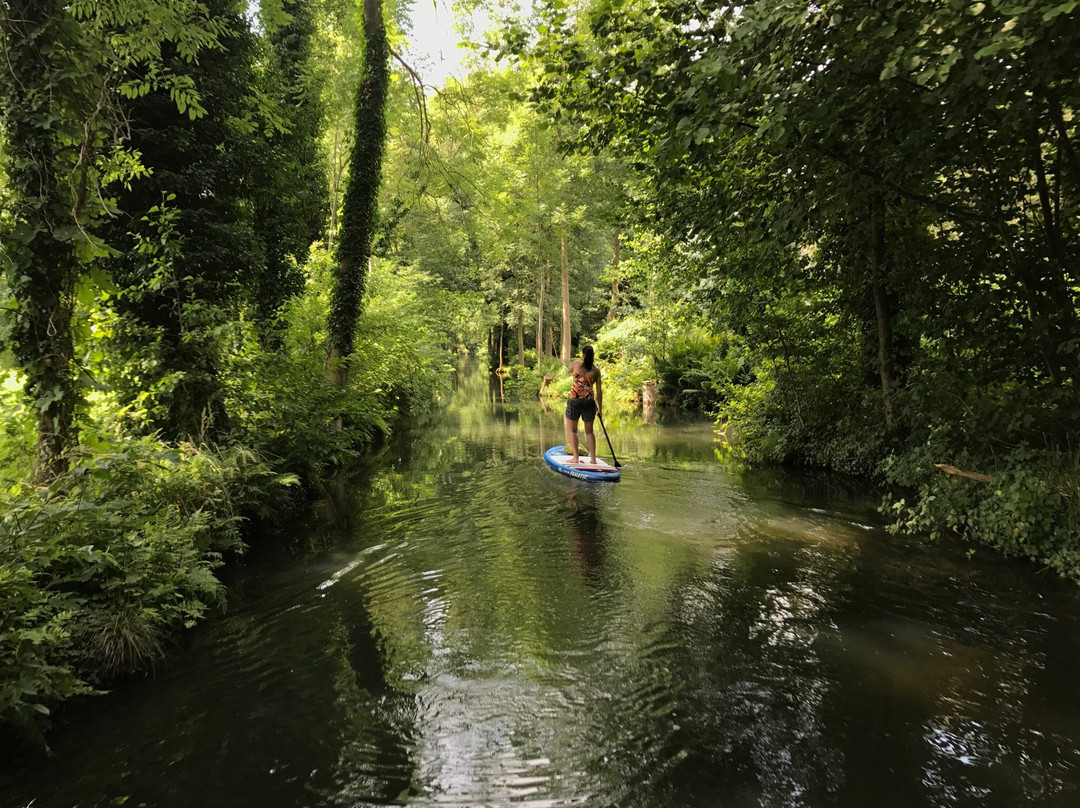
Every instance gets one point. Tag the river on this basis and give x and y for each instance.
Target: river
(461, 626)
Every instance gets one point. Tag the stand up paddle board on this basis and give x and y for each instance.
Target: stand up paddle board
(598, 472)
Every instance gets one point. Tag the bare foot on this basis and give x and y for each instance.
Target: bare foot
(575, 459)
(592, 459)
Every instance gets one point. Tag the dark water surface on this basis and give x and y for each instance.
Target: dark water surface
(464, 627)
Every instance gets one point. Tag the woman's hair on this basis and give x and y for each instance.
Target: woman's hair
(587, 357)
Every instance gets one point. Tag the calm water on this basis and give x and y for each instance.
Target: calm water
(464, 627)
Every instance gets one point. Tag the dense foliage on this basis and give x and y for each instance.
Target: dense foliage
(166, 321)
(882, 204)
(849, 230)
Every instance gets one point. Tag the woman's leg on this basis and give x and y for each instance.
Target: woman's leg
(571, 436)
(590, 440)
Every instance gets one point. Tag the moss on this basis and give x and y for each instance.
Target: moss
(361, 196)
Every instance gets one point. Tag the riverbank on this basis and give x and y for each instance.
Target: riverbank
(975, 472)
(101, 569)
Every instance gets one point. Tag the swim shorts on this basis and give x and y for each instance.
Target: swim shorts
(584, 408)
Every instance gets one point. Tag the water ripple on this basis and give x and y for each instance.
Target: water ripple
(484, 632)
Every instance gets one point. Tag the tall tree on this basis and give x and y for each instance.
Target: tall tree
(291, 195)
(66, 67)
(181, 263)
(361, 196)
(564, 349)
(38, 38)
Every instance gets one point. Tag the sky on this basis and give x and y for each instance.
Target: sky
(433, 45)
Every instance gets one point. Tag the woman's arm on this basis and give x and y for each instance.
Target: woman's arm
(599, 392)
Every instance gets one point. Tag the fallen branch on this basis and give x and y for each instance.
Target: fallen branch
(953, 471)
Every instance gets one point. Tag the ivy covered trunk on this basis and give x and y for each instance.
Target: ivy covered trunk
(361, 195)
(565, 354)
(42, 265)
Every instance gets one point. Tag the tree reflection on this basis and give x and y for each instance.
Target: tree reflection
(374, 752)
(674, 641)
(586, 529)
(753, 716)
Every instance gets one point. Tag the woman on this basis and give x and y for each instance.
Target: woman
(586, 398)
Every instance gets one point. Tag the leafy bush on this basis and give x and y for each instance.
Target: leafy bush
(826, 424)
(624, 349)
(694, 366)
(1023, 437)
(1029, 508)
(792, 414)
(34, 641)
(699, 369)
(101, 566)
(526, 382)
(518, 381)
(281, 402)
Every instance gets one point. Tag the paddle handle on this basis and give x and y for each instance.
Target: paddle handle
(601, 417)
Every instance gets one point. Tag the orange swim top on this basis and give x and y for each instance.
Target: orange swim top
(581, 387)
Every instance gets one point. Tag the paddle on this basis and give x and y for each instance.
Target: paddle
(618, 465)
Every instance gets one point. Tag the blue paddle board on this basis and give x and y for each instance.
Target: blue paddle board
(598, 472)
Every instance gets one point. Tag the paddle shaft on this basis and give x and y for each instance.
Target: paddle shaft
(613, 457)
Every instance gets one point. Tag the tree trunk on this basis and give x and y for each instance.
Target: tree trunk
(361, 195)
(616, 252)
(44, 268)
(565, 354)
(337, 166)
(1062, 305)
(521, 338)
(881, 308)
(648, 401)
(540, 321)
(549, 327)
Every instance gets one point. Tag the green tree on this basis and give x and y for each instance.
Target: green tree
(37, 38)
(290, 197)
(180, 266)
(361, 195)
(69, 63)
(492, 204)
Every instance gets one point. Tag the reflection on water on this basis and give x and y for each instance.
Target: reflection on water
(461, 626)
(586, 527)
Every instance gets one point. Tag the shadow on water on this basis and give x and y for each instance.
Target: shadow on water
(458, 625)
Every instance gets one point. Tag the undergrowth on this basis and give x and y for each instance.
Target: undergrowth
(103, 566)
